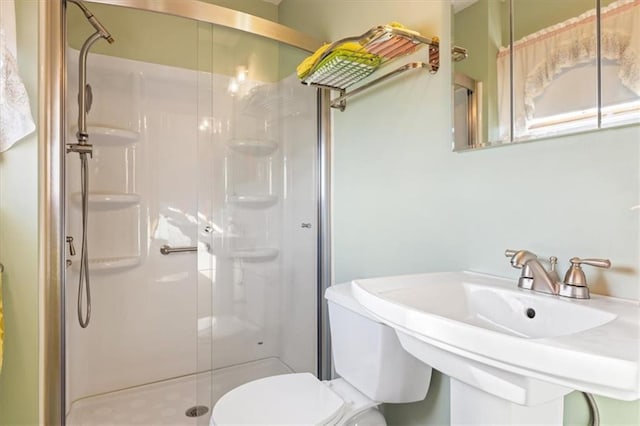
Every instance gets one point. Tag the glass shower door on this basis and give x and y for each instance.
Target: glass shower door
(257, 208)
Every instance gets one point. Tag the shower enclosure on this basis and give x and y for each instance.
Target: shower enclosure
(206, 213)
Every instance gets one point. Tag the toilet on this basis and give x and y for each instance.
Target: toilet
(373, 369)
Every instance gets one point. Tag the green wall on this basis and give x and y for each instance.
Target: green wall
(404, 203)
(140, 36)
(533, 15)
(19, 245)
(178, 42)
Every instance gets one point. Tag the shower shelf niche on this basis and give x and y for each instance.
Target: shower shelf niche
(108, 263)
(111, 136)
(253, 201)
(108, 200)
(338, 68)
(256, 147)
(257, 254)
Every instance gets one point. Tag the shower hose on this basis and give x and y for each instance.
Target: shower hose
(84, 286)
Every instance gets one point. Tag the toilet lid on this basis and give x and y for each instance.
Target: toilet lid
(288, 399)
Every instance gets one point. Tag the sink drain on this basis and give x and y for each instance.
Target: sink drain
(531, 313)
(197, 411)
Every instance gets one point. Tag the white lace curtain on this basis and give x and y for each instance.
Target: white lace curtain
(540, 57)
(15, 113)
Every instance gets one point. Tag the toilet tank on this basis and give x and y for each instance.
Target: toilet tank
(368, 354)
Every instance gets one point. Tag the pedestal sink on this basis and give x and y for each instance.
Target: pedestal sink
(512, 354)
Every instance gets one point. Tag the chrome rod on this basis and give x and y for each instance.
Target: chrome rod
(226, 17)
(512, 96)
(84, 101)
(93, 20)
(166, 249)
(599, 61)
(339, 102)
(324, 245)
(51, 135)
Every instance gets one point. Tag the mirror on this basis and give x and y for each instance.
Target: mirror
(481, 27)
(555, 76)
(557, 84)
(466, 110)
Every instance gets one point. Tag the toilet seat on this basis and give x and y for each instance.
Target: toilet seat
(299, 399)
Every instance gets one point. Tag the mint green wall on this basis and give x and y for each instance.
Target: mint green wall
(19, 245)
(403, 202)
(533, 15)
(168, 40)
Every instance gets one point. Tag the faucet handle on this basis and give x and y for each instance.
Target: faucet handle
(600, 263)
(575, 282)
(575, 275)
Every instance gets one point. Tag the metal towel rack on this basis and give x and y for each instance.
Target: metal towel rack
(337, 69)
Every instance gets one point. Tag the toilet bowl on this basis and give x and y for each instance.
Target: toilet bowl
(294, 399)
(367, 354)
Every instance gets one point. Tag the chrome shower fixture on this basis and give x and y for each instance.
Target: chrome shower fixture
(93, 20)
(84, 149)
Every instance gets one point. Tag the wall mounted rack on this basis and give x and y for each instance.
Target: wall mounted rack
(340, 67)
(459, 53)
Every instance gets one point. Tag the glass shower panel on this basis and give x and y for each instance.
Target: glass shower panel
(137, 361)
(257, 209)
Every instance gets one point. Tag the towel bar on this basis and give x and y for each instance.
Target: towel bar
(337, 70)
(341, 101)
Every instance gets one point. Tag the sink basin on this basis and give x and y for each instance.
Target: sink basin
(524, 347)
(503, 310)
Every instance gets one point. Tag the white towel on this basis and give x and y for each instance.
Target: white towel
(15, 113)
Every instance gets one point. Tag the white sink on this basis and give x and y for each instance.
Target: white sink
(475, 329)
(505, 310)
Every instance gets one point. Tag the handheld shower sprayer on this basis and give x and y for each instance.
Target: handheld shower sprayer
(93, 20)
(84, 149)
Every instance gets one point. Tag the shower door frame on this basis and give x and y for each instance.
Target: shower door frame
(52, 147)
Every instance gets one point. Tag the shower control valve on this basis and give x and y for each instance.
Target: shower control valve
(72, 249)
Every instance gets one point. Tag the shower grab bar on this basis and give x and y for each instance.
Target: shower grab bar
(166, 249)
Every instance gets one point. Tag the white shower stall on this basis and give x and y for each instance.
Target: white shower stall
(202, 228)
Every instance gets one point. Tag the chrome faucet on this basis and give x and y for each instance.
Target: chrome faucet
(534, 276)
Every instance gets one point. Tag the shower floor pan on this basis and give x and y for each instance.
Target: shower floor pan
(166, 402)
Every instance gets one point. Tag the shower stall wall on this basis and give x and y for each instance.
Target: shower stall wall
(203, 228)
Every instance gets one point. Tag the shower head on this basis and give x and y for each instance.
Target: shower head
(93, 21)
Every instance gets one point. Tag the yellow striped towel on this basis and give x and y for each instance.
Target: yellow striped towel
(305, 66)
(1, 323)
